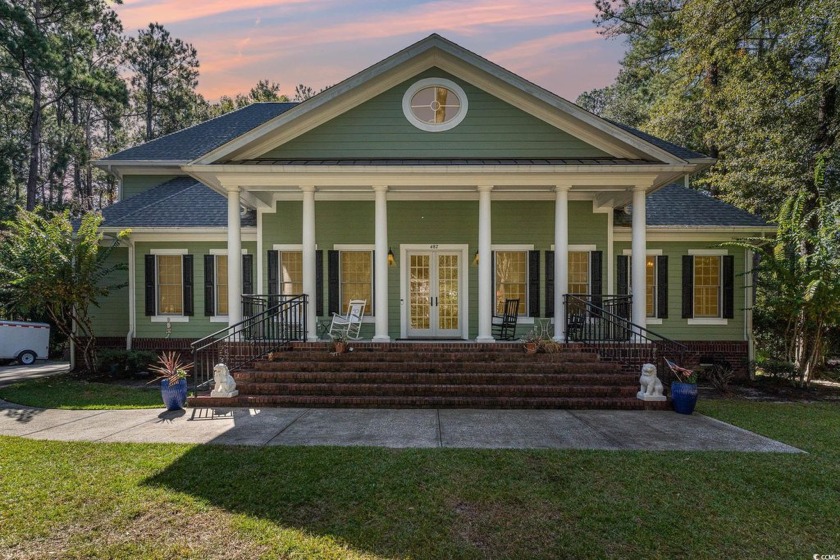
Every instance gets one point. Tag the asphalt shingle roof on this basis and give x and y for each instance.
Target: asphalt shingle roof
(679, 206)
(180, 202)
(197, 140)
(670, 147)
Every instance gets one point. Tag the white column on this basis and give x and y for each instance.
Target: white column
(561, 259)
(308, 256)
(234, 251)
(485, 284)
(381, 264)
(638, 258)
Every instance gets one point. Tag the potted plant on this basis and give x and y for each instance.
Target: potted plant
(339, 342)
(531, 342)
(172, 373)
(684, 389)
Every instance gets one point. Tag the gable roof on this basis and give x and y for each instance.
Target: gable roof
(678, 206)
(187, 144)
(182, 202)
(670, 147)
(241, 131)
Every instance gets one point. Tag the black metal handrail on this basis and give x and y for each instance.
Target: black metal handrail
(609, 330)
(269, 324)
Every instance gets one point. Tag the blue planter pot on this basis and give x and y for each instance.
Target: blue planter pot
(174, 396)
(684, 397)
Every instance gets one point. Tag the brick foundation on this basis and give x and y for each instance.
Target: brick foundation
(157, 345)
(735, 352)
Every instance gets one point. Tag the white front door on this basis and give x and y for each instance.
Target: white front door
(434, 293)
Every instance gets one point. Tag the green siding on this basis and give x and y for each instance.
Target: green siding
(135, 184)
(198, 325)
(433, 222)
(674, 326)
(378, 129)
(110, 318)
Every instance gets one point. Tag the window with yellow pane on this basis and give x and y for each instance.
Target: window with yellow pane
(356, 278)
(707, 286)
(511, 276)
(170, 285)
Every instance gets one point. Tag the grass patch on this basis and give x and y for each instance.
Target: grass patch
(63, 391)
(162, 501)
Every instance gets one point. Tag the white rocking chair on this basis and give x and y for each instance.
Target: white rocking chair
(349, 325)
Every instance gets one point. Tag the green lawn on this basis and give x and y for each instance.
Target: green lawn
(63, 391)
(88, 500)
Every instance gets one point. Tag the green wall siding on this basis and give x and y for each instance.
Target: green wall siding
(135, 184)
(198, 325)
(433, 222)
(674, 326)
(111, 317)
(378, 129)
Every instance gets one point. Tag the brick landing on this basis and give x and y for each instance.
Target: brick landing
(434, 375)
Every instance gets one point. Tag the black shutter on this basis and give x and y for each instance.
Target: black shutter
(622, 275)
(533, 283)
(549, 283)
(273, 270)
(188, 284)
(728, 278)
(151, 304)
(209, 285)
(687, 286)
(662, 287)
(247, 274)
(333, 282)
(319, 282)
(596, 276)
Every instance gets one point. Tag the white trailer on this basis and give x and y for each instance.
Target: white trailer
(23, 341)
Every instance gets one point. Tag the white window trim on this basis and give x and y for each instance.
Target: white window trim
(579, 248)
(522, 248)
(648, 252)
(430, 82)
(169, 251)
(171, 318)
(708, 252)
(225, 251)
(708, 321)
(369, 317)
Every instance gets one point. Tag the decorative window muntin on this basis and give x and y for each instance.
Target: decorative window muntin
(511, 276)
(435, 104)
(221, 285)
(707, 286)
(356, 277)
(291, 272)
(170, 285)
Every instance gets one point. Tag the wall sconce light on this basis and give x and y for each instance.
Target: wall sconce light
(391, 259)
(475, 259)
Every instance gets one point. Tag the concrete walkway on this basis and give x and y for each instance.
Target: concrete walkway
(15, 373)
(451, 428)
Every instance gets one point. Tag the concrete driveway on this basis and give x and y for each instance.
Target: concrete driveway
(15, 373)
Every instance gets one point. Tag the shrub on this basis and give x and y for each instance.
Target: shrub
(719, 374)
(119, 363)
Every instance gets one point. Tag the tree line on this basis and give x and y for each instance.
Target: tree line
(74, 87)
(753, 83)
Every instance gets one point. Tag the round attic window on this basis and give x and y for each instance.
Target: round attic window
(435, 104)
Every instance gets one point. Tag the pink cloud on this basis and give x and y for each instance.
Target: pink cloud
(136, 14)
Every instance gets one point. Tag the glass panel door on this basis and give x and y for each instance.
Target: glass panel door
(419, 294)
(434, 299)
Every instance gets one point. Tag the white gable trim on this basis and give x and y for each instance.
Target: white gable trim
(436, 51)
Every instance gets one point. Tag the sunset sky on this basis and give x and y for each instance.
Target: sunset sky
(320, 42)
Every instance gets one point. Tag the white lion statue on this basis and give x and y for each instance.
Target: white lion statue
(651, 389)
(225, 385)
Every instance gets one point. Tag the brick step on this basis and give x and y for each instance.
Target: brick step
(440, 367)
(429, 390)
(455, 347)
(617, 403)
(483, 378)
(427, 356)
